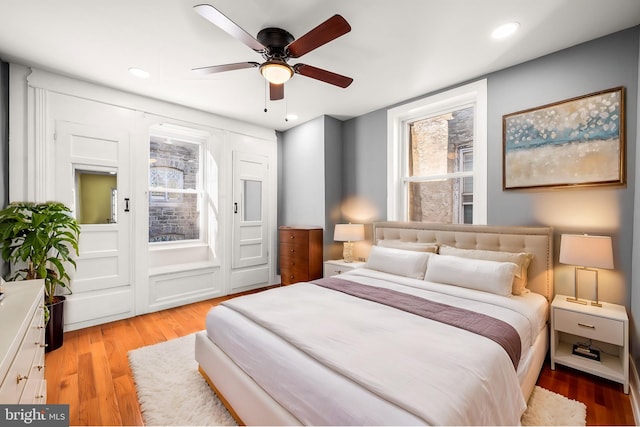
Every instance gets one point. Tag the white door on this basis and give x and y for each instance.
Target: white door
(93, 178)
(250, 222)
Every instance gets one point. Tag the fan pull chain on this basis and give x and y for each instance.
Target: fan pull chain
(286, 119)
(266, 84)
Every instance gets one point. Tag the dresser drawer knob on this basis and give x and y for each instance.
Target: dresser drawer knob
(20, 378)
(42, 345)
(293, 250)
(585, 325)
(40, 367)
(292, 237)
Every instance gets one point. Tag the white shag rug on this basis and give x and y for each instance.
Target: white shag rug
(172, 392)
(170, 389)
(546, 408)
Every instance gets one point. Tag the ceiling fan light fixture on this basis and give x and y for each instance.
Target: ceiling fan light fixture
(276, 72)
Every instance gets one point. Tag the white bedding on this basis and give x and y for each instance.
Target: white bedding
(338, 360)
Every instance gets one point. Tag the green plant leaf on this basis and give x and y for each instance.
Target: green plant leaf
(41, 235)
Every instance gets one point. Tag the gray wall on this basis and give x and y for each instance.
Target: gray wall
(365, 160)
(301, 185)
(601, 64)
(333, 184)
(597, 65)
(310, 178)
(635, 282)
(4, 143)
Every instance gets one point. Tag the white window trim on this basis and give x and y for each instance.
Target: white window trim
(398, 120)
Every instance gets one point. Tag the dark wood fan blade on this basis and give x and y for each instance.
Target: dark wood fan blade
(226, 67)
(330, 29)
(218, 19)
(276, 92)
(323, 75)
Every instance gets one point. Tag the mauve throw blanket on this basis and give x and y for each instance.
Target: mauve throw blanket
(478, 323)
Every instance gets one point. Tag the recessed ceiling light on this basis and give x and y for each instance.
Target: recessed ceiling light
(291, 117)
(139, 73)
(505, 30)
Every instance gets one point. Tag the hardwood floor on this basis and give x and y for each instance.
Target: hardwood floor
(91, 373)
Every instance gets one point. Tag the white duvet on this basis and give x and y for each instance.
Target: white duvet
(333, 359)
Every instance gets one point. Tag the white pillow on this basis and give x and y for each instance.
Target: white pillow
(488, 276)
(521, 259)
(398, 261)
(409, 246)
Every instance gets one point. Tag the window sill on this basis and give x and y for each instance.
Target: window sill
(179, 268)
(169, 246)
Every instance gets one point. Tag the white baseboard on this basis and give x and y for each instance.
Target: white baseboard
(634, 390)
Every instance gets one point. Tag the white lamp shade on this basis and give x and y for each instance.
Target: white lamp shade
(276, 72)
(586, 251)
(348, 232)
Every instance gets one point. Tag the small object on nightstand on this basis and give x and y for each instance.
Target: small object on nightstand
(586, 351)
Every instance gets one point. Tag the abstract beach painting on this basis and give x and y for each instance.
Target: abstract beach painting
(575, 142)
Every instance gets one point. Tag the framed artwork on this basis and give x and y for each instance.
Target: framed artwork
(576, 142)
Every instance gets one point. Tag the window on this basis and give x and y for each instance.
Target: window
(437, 158)
(175, 187)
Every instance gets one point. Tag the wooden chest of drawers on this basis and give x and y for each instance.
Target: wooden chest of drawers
(300, 254)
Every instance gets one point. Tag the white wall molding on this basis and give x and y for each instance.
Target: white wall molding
(82, 89)
(37, 159)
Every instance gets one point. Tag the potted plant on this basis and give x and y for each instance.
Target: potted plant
(38, 240)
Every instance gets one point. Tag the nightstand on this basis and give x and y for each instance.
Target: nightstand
(338, 266)
(606, 327)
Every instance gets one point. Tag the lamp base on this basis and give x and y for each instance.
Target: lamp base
(576, 300)
(347, 252)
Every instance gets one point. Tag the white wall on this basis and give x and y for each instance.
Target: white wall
(40, 100)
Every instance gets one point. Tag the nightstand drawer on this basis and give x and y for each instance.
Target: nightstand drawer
(335, 267)
(589, 326)
(332, 269)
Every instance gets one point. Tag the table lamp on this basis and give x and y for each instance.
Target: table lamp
(587, 253)
(348, 233)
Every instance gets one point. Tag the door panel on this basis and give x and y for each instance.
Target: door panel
(104, 261)
(250, 222)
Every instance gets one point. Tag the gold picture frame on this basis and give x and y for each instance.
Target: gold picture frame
(575, 142)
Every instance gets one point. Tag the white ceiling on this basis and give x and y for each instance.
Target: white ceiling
(395, 51)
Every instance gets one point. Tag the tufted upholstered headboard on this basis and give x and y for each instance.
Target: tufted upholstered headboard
(535, 240)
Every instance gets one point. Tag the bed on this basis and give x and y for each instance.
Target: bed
(446, 324)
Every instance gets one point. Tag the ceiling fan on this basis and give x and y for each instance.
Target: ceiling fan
(277, 46)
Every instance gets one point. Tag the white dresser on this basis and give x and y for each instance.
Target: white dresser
(22, 343)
